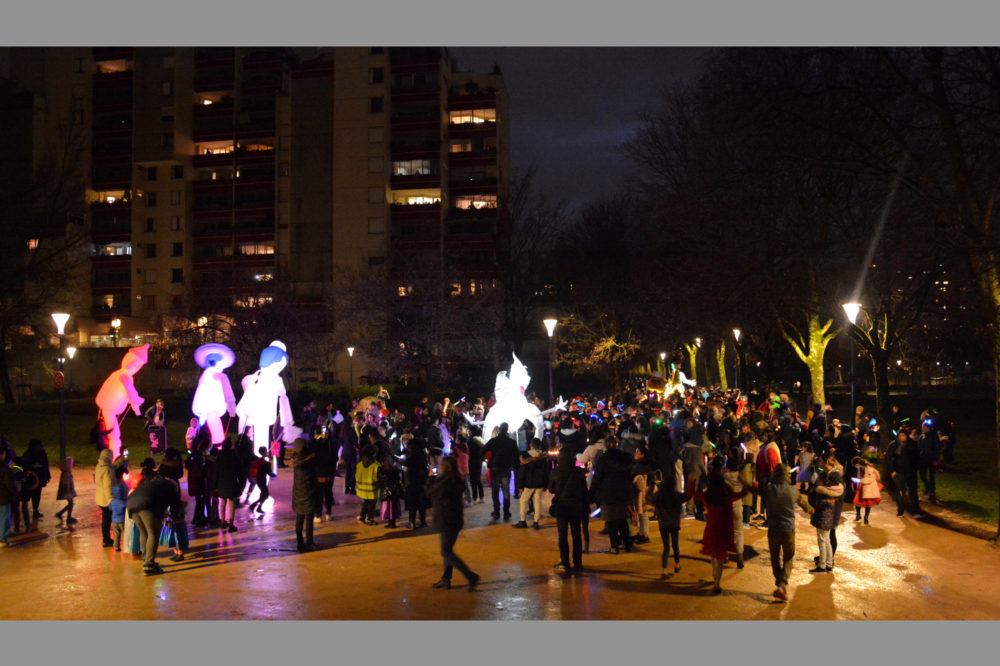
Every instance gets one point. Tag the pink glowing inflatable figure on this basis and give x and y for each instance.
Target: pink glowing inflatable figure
(214, 395)
(264, 395)
(118, 393)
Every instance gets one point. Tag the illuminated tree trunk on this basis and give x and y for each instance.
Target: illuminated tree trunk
(720, 359)
(811, 351)
(692, 350)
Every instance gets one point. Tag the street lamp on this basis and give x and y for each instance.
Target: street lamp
(663, 361)
(60, 318)
(550, 328)
(70, 352)
(736, 334)
(350, 353)
(852, 310)
(116, 324)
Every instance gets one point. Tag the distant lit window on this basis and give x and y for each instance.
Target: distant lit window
(32, 244)
(256, 248)
(460, 145)
(263, 277)
(404, 290)
(115, 249)
(420, 200)
(467, 116)
(456, 288)
(414, 167)
(476, 202)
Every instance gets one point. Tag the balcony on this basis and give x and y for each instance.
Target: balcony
(415, 181)
(473, 186)
(485, 213)
(414, 211)
(471, 228)
(104, 53)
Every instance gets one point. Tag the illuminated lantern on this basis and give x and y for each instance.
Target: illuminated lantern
(118, 393)
(263, 395)
(214, 395)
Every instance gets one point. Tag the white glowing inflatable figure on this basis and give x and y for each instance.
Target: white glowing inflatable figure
(263, 394)
(118, 393)
(214, 395)
(511, 406)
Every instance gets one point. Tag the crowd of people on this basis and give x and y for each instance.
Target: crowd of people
(733, 460)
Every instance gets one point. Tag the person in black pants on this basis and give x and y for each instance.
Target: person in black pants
(476, 468)
(36, 460)
(326, 468)
(446, 494)
(668, 504)
(570, 505)
(262, 474)
(612, 485)
(350, 437)
(503, 455)
(304, 494)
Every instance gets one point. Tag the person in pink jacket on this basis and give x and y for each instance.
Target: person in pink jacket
(869, 491)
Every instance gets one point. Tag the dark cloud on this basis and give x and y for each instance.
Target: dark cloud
(571, 108)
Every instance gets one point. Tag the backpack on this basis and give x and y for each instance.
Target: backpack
(255, 468)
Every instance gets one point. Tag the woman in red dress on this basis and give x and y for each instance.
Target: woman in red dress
(718, 538)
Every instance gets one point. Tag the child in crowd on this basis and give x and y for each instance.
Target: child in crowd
(119, 491)
(261, 469)
(804, 462)
(366, 477)
(66, 491)
(390, 483)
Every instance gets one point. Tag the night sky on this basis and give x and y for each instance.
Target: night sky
(571, 108)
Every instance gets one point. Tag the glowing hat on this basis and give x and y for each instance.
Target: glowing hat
(203, 356)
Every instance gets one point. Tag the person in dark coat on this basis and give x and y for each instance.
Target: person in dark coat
(417, 472)
(305, 492)
(475, 444)
(147, 505)
(930, 453)
(326, 469)
(36, 460)
(9, 491)
(902, 461)
(503, 453)
(668, 502)
(535, 469)
(211, 482)
(228, 483)
(446, 498)
(570, 504)
(195, 466)
(612, 486)
(350, 449)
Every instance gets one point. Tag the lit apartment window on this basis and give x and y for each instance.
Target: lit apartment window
(177, 275)
(256, 248)
(263, 277)
(116, 249)
(472, 116)
(176, 224)
(456, 288)
(32, 244)
(460, 145)
(374, 105)
(414, 167)
(404, 290)
(376, 75)
(477, 202)
(420, 200)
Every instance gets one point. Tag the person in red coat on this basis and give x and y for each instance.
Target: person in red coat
(718, 538)
(768, 458)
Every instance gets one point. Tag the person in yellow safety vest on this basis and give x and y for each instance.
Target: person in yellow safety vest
(366, 476)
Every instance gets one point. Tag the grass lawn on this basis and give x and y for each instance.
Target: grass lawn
(20, 423)
(970, 487)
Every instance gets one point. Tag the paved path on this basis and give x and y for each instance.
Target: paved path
(893, 569)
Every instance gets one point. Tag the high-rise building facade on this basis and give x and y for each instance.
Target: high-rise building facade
(221, 177)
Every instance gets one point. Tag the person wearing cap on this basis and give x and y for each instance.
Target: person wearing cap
(782, 498)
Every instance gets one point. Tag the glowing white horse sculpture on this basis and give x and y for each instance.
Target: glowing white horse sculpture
(511, 406)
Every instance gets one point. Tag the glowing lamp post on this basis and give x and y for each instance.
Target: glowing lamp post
(350, 354)
(70, 352)
(736, 334)
(116, 325)
(60, 318)
(852, 310)
(550, 328)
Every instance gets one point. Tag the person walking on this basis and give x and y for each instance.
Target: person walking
(66, 491)
(782, 499)
(930, 453)
(36, 460)
(262, 474)
(902, 460)
(416, 473)
(446, 498)
(228, 483)
(669, 503)
(326, 469)
(718, 538)
(612, 485)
